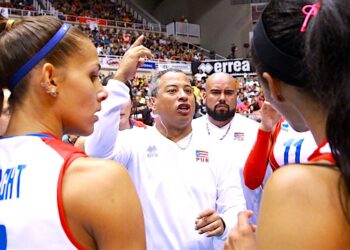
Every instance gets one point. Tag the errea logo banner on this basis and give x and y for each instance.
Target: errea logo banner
(233, 67)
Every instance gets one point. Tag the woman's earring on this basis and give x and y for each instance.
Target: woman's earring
(53, 93)
(51, 90)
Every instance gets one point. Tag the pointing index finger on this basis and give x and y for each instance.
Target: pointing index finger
(138, 41)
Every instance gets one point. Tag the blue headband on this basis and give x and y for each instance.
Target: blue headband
(39, 56)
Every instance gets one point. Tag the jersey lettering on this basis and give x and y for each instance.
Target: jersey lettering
(3, 237)
(7, 182)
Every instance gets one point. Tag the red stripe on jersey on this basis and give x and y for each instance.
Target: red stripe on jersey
(69, 154)
(317, 155)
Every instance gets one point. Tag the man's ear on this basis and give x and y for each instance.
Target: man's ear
(274, 85)
(153, 103)
(205, 98)
(48, 82)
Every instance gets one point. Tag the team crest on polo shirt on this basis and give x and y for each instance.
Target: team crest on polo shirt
(202, 156)
(152, 151)
(238, 136)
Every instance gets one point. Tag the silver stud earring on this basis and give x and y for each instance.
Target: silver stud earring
(53, 93)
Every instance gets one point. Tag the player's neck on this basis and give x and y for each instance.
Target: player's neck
(22, 123)
(315, 117)
(317, 124)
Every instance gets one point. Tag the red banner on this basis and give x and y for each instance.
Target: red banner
(94, 20)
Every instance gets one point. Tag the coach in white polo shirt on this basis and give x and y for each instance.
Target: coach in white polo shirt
(225, 127)
(190, 193)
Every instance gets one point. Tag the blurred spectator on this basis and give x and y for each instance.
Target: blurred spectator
(232, 55)
(141, 111)
(183, 19)
(243, 108)
(200, 75)
(254, 105)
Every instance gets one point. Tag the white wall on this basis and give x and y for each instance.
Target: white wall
(224, 24)
(221, 23)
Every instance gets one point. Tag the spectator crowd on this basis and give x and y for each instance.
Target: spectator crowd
(113, 41)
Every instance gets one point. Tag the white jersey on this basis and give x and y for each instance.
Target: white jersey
(240, 131)
(238, 138)
(31, 209)
(290, 146)
(175, 182)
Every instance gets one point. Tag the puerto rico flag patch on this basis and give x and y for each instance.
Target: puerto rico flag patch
(238, 136)
(202, 156)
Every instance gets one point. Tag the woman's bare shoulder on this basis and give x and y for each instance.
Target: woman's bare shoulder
(92, 177)
(299, 202)
(98, 197)
(306, 174)
(97, 166)
(307, 184)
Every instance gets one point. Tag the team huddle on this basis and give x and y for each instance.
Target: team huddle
(221, 181)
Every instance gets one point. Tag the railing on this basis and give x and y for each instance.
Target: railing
(23, 12)
(185, 29)
(75, 19)
(181, 31)
(44, 5)
(138, 11)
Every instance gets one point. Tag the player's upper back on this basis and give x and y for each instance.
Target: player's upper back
(49, 189)
(30, 172)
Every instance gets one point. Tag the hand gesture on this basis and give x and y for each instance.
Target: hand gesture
(132, 59)
(242, 236)
(269, 117)
(210, 223)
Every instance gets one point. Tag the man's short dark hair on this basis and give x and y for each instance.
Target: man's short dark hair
(153, 88)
